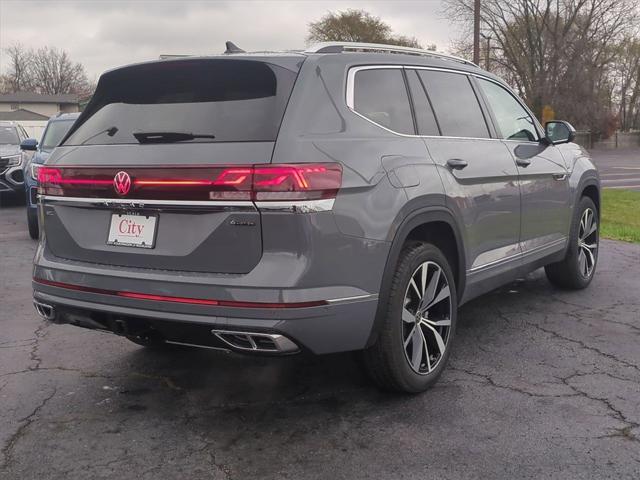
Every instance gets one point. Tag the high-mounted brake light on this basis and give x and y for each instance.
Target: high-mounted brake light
(260, 182)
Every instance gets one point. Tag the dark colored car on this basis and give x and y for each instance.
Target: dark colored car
(57, 127)
(11, 157)
(350, 197)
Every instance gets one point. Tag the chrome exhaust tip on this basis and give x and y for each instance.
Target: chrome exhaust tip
(256, 342)
(45, 311)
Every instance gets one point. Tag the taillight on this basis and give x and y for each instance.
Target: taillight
(48, 175)
(285, 182)
(265, 182)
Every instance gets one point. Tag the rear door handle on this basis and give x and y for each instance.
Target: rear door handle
(523, 162)
(559, 176)
(456, 163)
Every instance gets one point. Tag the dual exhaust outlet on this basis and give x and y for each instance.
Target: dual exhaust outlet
(44, 310)
(256, 342)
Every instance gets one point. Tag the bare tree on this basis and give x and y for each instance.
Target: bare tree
(46, 70)
(627, 80)
(18, 77)
(557, 53)
(356, 26)
(53, 72)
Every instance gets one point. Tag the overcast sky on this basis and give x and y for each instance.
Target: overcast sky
(105, 34)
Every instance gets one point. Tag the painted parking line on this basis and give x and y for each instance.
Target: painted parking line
(628, 187)
(621, 180)
(615, 174)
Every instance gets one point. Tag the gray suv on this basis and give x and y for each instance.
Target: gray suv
(350, 197)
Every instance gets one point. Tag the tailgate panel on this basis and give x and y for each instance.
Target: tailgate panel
(206, 239)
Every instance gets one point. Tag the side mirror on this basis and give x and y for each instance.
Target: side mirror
(559, 131)
(29, 144)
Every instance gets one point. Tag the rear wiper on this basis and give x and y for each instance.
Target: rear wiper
(167, 137)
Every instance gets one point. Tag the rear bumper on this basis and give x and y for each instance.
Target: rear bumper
(342, 325)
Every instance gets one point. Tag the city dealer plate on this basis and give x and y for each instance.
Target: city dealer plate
(130, 230)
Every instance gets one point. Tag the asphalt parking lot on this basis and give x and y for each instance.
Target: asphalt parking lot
(541, 384)
(619, 168)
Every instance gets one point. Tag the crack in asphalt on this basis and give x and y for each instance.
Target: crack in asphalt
(488, 380)
(84, 373)
(7, 450)
(207, 448)
(624, 432)
(583, 345)
(39, 333)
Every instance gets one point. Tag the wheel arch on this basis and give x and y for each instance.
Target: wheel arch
(435, 225)
(591, 189)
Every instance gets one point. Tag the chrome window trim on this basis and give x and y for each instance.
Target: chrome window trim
(350, 95)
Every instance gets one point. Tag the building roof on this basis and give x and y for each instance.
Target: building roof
(22, 114)
(30, 97)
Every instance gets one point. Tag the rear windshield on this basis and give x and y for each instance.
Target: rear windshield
(8, 136)
(210, 100)
(54, 133)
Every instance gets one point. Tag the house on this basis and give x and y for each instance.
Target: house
(27, 106)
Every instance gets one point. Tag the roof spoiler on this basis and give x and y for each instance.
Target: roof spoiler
(232, 48)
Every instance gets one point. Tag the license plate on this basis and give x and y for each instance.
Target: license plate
(130, 230)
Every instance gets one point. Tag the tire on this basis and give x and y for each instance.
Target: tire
(398, 360)
(578, 267)
(32, 222)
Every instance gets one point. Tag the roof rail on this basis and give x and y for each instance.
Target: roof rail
(339, 47)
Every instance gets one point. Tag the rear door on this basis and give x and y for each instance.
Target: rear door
(152, 173)
(543, 176)
(479, 175)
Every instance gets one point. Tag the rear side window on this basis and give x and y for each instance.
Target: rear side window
(381, 96)
(455, 104)
(216, 100)
(426, 120)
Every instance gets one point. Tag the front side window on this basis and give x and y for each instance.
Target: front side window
(514, 122)
(381, 96)
(455, 104)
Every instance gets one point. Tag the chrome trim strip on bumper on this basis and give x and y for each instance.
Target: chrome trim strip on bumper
(134, 203)
(372, 296)
(298, 206)
(294, 206)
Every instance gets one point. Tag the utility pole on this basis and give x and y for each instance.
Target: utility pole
(487, 53)
(476, 31)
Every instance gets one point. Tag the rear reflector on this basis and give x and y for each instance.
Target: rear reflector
(266, 182)
(191, 301)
